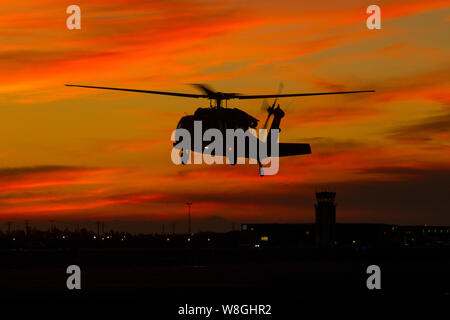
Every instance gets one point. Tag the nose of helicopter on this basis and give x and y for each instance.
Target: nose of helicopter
(185, 123)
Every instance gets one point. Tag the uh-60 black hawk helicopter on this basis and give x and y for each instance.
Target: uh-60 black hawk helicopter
(222, 118)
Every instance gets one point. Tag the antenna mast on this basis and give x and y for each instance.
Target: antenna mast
(189, 204)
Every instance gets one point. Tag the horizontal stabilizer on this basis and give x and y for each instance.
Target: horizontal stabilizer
(294, 149)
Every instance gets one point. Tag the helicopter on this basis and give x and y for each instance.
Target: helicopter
(221, 118)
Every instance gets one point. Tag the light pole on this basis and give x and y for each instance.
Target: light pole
(189, 204)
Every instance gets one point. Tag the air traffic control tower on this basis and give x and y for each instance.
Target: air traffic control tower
(325, 219)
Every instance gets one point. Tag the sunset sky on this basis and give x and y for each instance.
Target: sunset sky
(82, 154)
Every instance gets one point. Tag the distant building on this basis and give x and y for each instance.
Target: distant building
(325, 228)
(326, 233)
(366, 235)
(277, 234)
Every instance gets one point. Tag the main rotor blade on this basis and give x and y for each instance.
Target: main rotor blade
(262, 96)
(177, 94)
(280, 88)
(203, 87)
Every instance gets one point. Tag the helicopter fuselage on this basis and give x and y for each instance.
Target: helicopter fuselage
(221, 119)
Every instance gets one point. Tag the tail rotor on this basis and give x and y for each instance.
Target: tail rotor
(270, 108)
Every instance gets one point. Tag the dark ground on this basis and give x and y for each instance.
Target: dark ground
(188, 274)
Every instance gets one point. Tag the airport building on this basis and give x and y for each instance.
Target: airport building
(326, 233)
(325, 227)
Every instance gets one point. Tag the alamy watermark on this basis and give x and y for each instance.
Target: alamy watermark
(374, 20)
(74, 20)
(374, 280)
(74, 279)
(211, 147)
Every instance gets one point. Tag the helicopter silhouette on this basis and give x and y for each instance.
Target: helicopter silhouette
(222, 118)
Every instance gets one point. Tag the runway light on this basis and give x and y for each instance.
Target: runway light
(209, 239)
(354, 241)
(188, 239)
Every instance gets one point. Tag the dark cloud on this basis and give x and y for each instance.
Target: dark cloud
(7, 173)
(12, 173)
(279, 196)
(424, 130)
(421, 197)
(394, 170)
(405, 195)
(326, 144)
